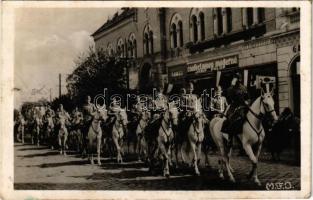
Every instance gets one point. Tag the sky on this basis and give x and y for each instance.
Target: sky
(48, 41)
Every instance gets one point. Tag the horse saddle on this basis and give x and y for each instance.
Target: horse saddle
(234, 122)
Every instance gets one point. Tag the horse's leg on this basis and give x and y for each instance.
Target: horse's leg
(99, 149)
(139, 148)
(22, 135)
(38, 136)
(195, 157)
(227, 164)
(121, 142)
(115, 141)
(182, 153)
(161, 146)
(255, 175)
(247, 147)
(65, 142)
(229, 151)
(199, 151)
(60, 143)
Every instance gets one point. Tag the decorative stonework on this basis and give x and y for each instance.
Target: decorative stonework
(258, 43)
(288, 40)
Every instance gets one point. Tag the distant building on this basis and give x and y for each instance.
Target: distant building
(172, 45)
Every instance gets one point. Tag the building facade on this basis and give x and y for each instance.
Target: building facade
(207, 45)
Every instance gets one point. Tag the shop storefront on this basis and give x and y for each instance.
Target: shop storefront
(176, 76)
(207, 74)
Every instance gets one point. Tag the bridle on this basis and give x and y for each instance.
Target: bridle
(259, 116)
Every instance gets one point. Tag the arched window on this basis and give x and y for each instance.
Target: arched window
(148, 40)
(120, 48)
(176, 31)
(174, 36)
(180, 33)
(194, 28)
(146, 43)
(132, 46)
(135, 48)
(202, 27)
(110, 50)
(151, 42)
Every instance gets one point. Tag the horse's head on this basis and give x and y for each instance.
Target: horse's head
(268, 104)
(122, 117)
(173, 113)
(101, 115)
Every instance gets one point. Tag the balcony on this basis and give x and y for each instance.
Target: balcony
(254, 31)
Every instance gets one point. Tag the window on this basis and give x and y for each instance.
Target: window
(229, 20)
(146, 43)
(250, 16)
(202, 28)
(148, 40)
(180, 33)
(261, 15)
(110, 50)
(120, 48)
(194, 28)
(219, 21)
(197, 25)
(132, 46)
(174, 36)
(151, 41)
(253, 16)
(176, 31)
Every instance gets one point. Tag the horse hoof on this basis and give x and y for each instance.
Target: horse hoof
(99, 163)
(232, 180)
(167, 175)
(257, 181)
(222, 176)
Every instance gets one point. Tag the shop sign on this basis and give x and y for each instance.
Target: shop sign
(213, 65)
(177, 74)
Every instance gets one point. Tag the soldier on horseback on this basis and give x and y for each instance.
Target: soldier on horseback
(88, 110)
(218, 103)
(239, 100)
(189, 105)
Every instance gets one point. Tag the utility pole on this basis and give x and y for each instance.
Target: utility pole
(60, 85)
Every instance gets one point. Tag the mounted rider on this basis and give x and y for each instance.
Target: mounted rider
(77, 119)
(113, 111)
(189, 106)
(218, 103)
(238, 97)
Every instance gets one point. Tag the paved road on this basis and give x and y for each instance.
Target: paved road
(42, 168)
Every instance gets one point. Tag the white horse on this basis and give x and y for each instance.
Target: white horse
(36, 130)
(62, 134)
(252, 135)
(49, 131)
(120, 124)
(95, 135)
(140, 133)
(165, 135)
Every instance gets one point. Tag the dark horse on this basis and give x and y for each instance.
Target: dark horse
(284, 134)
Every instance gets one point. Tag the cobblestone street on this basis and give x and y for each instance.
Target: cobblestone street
(42, 168)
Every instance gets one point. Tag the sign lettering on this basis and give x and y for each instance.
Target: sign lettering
(214, 65)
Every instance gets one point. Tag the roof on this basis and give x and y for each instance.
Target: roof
(117, 18)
